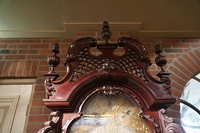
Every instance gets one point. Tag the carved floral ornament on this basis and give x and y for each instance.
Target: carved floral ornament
(124, 78)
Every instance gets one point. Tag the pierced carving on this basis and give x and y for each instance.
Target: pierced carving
(167, 123)
(77, 44)
(88, 64)
(108, 66)
(134, 42)
(53, 126)
(110, 91)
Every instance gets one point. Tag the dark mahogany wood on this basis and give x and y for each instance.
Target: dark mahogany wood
(108, 74)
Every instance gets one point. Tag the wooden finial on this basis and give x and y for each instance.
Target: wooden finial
(54, 60)
(106, 34)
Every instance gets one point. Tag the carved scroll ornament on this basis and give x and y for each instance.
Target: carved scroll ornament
(110, 75)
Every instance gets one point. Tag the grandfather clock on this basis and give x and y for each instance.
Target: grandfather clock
(108, 92)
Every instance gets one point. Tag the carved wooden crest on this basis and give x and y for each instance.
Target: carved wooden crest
(110, 75)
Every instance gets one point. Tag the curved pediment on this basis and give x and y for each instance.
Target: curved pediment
(108, 74)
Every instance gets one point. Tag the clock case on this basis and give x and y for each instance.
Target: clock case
(108, 73)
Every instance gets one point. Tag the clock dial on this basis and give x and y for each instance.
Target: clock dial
(116, 114)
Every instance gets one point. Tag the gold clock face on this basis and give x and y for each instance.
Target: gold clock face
(116, 114)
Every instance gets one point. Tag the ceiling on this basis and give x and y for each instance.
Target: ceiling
(62, 18)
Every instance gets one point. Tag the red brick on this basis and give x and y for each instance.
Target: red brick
(38, 118)
(37, 110)
(178, 79)
(47, 110)
(64, 45)
(189, 40)
(183, 69)
(191, 62)
(178, 55)
(177, 87)
(186, 64)
(15, 57)
(63, 51)
(3, 45)
(39, 46)
(170, 41)
(27, 68)
(10, 40)
(43, 62)
(40, 74)
(39, 88)
(39, 95)
(52, 41)
(13, 68)
(67, 40)
(2, 63)
(28, 51)
(153, 67)
(179, 73)
(59, 68)
(114, 39)
(116, 33)
(124, 33)
(20, 68)
(31, 41)
(152, 56)
(151, 50)
(37, 103)
(33, 127)
(77, 38)
(36, 56)
(12, 51)
(45, 51)
(178, 45)
(194, 57)
(169, 55)
(177, 92)
(7, 68)
(154, 73)
(34, 68)
(197, 53)
(44, 68)
(17, 45)
(186, 50)
(195, 44)
(148, 46)
(146, 40)
(40, 81)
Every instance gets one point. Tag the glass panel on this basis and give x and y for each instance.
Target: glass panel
(190, 119)
(115, 114)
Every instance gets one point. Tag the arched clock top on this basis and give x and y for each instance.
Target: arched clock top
(111, 75)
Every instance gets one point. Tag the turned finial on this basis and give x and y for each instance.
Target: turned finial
(106, 34)
(54, 60)
(160, 60)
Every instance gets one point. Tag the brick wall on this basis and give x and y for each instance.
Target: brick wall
(28, 58)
